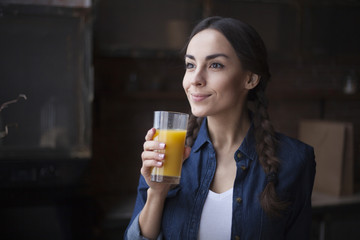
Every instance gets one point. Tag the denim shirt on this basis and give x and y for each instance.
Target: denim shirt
(184, 203)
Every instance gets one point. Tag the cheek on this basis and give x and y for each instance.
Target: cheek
(230, 88)
(185, 83)
(225, 84)
(236, 82)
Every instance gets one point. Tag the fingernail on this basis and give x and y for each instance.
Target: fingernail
(161, 155)
(159, 163)
(162, 145)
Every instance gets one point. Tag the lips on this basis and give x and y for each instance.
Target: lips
(198, 97)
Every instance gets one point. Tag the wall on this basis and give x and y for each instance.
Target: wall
(46, 55)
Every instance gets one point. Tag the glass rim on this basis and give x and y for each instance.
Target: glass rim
(172, 112)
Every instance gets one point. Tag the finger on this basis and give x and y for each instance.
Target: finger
(147, 155)
(152, 163)
(150, 134)
(153, 145)
(148, 166)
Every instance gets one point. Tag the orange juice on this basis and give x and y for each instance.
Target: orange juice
(174, 140)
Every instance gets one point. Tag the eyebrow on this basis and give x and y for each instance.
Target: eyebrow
(212, 56)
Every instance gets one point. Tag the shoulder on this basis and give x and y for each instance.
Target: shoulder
(289, 147)
(292, 143)
(294, 154)
(297, 167)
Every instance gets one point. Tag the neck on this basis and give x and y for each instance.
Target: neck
(228, 132)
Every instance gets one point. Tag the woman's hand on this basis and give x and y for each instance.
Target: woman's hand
(151, 214)
(152, 156)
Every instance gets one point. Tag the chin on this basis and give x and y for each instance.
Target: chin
(198, 113)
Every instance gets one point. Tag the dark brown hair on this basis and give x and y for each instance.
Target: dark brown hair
(252, 53)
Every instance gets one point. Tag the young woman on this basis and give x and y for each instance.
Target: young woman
(241, 180)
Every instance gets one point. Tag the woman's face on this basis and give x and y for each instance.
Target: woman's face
(214, 78)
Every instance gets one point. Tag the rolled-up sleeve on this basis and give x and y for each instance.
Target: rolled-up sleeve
(133, 231)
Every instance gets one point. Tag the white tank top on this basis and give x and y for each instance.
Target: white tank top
(216, 216)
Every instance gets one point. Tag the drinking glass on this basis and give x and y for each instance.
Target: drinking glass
(171, 130)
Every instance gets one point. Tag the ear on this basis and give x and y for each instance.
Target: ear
(252, 81)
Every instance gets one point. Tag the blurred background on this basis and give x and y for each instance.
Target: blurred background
(80, 80)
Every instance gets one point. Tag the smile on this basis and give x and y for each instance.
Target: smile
(199, 97)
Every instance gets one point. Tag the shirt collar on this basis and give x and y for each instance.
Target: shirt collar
(202, 137)
(247, 147)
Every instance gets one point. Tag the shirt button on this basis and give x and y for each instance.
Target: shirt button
(237, 238)
(239, 200)
(238, 155)
(243, 168)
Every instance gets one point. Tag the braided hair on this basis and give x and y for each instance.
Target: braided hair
(251, 51)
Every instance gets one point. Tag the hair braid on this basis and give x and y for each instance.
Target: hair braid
(193, 129)
(266, 149)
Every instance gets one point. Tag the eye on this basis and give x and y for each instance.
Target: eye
(216, 65)
(189, 65)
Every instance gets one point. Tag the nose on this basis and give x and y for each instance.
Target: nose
(198, 78)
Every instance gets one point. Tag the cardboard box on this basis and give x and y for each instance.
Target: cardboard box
(334, 154)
